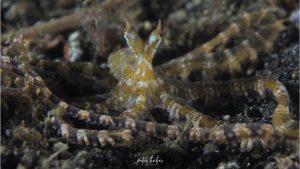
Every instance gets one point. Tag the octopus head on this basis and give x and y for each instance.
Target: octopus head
(138, 46)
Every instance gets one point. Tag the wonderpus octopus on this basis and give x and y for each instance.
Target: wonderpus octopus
(142, 87)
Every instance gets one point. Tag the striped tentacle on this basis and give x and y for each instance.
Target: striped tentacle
(25, 82)
(104, 103)
(184, 113)
(91, 137)
(57, 115)
(281, 118)
(91, 107)
(121, 132)
(20, 73)
(210, 91)
(247, 134)
(265, 29)
(244, 134)
(16, 75)
(65, 111)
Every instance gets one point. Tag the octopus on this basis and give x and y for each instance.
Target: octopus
(141, 87)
